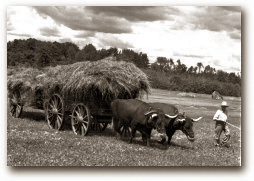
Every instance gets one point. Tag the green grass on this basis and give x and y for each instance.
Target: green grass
(30, 142)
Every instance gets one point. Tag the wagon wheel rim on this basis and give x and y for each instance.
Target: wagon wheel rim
(55, 112)
(80, 119)
(125, 131)
(15, 104)
(96, 126)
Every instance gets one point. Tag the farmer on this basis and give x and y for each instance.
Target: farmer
(221, 117)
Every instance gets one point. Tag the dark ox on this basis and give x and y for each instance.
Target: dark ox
(180, 122)
(140, 116)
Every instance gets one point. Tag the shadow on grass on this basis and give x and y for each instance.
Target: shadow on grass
(183, 147)
(108, 132)
(36, 116)
(138, 141)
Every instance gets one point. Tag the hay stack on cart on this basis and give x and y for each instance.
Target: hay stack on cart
(83, 91)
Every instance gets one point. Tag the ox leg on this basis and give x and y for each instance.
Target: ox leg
(133, 132)
(170, 135)
(144, 138)
(148, 136)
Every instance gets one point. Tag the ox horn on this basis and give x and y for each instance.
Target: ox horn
(195, 120)
(154, 115)
(150, 112)
(171, 117)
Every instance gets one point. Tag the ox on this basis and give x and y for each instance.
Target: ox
(180, 122)
(140, 116)
(216, 95)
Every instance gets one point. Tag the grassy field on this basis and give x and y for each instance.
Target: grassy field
(30, 142)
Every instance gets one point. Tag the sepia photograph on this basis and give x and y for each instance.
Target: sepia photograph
(100, 86)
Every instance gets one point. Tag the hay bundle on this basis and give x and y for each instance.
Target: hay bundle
(96, 83)
(22, 79)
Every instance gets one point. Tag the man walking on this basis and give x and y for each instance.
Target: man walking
(221, 117)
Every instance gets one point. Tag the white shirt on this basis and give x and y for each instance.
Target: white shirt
(220, 116)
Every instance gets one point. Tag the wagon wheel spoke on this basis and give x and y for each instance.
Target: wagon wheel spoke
(85, 122)
(58, 122)
(18, 110)
(76, 112)
(51, 121)
(121, 130)
(59, 106)
(76, 128)
(83, 129)
(74, 121)
(103, 126)
(12, 109)
(50, 116)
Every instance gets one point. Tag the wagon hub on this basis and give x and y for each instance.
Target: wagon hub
(80, 118)
(54, 111)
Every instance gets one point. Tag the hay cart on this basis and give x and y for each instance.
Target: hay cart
(79, 93)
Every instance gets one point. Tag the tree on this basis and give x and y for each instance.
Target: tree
(71, 52)
(163, 63)
(190, 70)
(172, 64)
(195, 70)
(43, 60)
(180, 68)
(199, 65)
(222, 76)
(155, 66)
(88, 53)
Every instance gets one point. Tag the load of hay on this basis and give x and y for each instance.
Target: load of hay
(93, 83)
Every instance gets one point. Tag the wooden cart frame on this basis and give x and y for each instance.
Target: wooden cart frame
(57, 108)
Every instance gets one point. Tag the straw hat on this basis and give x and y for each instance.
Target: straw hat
(224, 103)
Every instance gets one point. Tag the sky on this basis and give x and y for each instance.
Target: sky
(207, 34)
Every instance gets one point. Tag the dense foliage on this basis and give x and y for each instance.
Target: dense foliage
(164, 73)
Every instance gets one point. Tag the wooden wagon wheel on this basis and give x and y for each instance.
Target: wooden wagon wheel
(125, 130)
(96, 126)
(54, 111)
(15, 104)
(80, 119)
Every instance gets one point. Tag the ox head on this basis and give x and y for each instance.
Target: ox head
(156, 119)
(185, 124)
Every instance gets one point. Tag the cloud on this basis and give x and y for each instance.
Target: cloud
(112, 41)
(136, 13)
(85, 34)
(189, 55)
(64, 40)
(21, 35)
(230, 8)
(216, 19)
(235, 35)
(45, 31)
(81, 18)
(9, 24)
(237, 57)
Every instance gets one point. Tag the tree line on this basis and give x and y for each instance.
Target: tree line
(164, 73)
